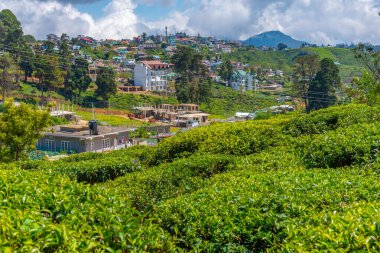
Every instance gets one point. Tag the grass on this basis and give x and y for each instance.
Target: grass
(215, 116)
(225, 102)
(112, 120)
(29, 89)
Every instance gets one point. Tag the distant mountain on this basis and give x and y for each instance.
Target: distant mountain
(272, 39)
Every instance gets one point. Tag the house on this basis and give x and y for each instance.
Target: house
(148, 45)
(152, 75)
(52, 37)
(241, 81)
(77, 138)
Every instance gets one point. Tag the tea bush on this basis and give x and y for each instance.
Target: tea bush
(43, 212)
(291, 183)
(166, 181)
(320, 121)
(356, 144)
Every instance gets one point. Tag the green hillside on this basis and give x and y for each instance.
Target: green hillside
(226, 101)
(285, 60)
(293, 183)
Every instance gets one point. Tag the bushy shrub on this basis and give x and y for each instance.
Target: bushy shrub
(346, 146)
(43, 212)
(320, 121)
(169, 180)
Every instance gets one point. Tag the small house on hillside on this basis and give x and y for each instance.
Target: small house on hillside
(241, 81)
(78, 139)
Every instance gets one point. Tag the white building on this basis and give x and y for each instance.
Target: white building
(152, 75)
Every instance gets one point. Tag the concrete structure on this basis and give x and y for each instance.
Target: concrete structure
(76, 138)
(152, 75)
(176, 114)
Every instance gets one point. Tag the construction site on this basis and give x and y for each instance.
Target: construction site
(178, 115)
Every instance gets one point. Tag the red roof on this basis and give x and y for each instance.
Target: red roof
(87, 39)
(156, 64)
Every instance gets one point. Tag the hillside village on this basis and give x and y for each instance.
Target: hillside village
(131, 56)
(146, 66)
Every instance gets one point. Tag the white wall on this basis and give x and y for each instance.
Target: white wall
(141, 76)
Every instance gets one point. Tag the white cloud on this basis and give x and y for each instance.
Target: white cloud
(41, 18)
(318, 21)
(119, 22)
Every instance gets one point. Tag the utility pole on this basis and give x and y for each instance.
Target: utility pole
(166, 31)
(93, 112)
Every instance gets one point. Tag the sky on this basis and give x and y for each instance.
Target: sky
(314, 21)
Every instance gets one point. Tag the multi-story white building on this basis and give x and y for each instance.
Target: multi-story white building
(152, 75)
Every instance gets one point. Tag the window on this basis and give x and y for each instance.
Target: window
(65, 145)
(106, 143)
(50, 145)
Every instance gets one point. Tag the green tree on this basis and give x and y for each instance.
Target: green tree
(366, 89)
(64, 52)
(27, 62)
(321, 93)
(48, 70)
(29, 38)
(282, 46)
(49, 46)
(144, 36)
(370, 58)
(306, 69)
(106, 83)
(21, 127)
(226, 70)
(7, 75)
(77, 78)
(191, 72)
(11, 34)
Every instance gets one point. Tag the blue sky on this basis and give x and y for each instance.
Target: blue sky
(146, 11)
(314, 21)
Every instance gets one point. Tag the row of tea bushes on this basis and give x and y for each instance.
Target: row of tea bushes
(43, 212)
(146, 188)
(285, 210)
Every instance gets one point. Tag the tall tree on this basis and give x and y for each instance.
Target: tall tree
(191, 72)
(26, 62)
(106, 83)
(370, 58)
(306, 69)
(11, 34)
(282, 46)
(64, 53)
(21, 127)
(7, 75)
(321, 93)
(365, 89)
(48, 46)
(226, 70)
(49, 72)
(77, 78)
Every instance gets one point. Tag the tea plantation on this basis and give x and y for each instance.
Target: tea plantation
(292, 183)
